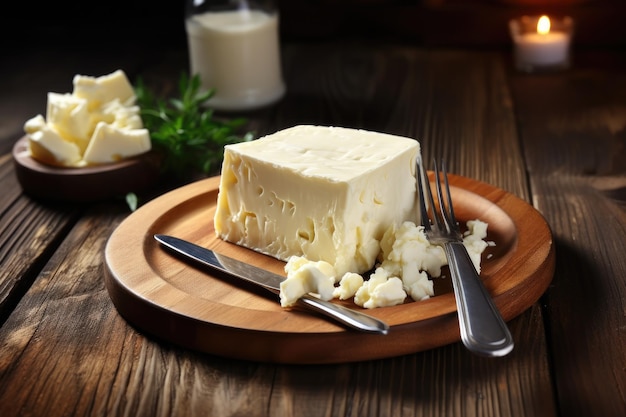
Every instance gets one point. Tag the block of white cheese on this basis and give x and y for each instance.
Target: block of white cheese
(324, 193)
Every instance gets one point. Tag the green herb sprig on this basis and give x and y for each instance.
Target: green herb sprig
(185, 133)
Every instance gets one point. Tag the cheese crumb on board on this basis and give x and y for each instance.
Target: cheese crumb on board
(380, 290)
(305, 276)
(348, 286)
(97, 123)
(474, 241)
(407, 262)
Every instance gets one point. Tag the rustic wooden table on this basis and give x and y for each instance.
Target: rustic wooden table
(557, 141)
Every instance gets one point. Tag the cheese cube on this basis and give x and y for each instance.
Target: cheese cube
(47, 146)
(324, 193)
(100, 90)
(34, 124)
(69, 116)
(119, 115)
(111, 144)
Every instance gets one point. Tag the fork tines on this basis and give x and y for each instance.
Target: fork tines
(442, 220)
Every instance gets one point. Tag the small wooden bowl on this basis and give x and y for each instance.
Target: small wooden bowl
(81, 185)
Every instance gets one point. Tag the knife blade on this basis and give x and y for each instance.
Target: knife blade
(271, 282)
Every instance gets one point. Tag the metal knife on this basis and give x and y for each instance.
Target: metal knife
(271, 282)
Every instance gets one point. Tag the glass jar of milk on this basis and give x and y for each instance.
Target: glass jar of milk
(234, 47)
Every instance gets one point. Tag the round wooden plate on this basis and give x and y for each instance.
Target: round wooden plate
(177, 302)
(81, 185)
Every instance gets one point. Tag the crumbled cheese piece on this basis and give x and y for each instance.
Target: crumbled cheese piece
(418, 286)
(380, 290)
(408, 261)
(473, 239)
(407, 253)
(406, 250)
(303, 277)
(348, 286)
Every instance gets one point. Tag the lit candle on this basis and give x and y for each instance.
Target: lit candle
(538, 46)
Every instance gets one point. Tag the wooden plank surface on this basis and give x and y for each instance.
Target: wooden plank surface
(66, 350)
(29, 233)
(573, 127)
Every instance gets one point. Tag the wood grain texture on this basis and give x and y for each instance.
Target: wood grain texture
(581, 191)
(66, 351)
(29, 233)
(67, 338)
(456, 103)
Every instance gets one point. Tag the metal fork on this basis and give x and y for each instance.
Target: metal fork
(483, 331)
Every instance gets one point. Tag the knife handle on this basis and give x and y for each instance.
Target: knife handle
(349, 317)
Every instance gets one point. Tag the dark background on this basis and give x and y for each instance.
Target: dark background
(76, 23)
(465, 23)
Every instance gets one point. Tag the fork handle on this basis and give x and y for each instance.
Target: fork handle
(483, 330)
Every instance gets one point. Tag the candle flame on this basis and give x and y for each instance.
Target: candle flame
(543, 25)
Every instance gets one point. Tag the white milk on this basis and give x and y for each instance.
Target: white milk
(236, 53)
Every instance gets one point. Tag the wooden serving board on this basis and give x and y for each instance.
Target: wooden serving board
(180, 303)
